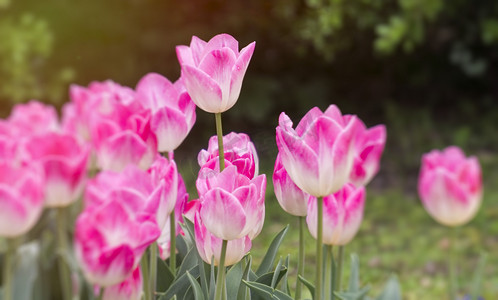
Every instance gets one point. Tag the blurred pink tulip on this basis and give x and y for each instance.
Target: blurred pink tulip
(172, 110)
(64, 161)
(450, 186)
(232, 205)
(213, 71)
(34, 117)
(318, 155)
(21, 197)
(118, 128)
(291, 198)
(239, 151)
(109, 241)
(342, 215)
(209, 246)
(129, 289)
(369, 147)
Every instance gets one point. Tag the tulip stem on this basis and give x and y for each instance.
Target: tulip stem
(220, 280)
(452, 265)
(8, 269)
(219, 132)
(319, 250)
(340, 260)
(328, 277)
(153, 268)
(172, 243)
(101, 293)
(300, 262)
(145, 271)
(64, 273)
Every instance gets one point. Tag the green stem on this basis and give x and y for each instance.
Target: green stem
(153, 268)
(145, 273)
(340, 260)
(452, 265)
(328, 280)
(300, 262)
(64, 273)
(101, 293)
(172, 241)
(319, 250)
(8, 269)
(220, 280)
(219, 132)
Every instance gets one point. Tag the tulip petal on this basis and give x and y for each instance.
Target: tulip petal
(204, 91)
(239, 70)
(170, 128)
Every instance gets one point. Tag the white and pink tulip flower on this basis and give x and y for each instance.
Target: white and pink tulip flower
(213, 71)
(172, 110)
(291, 198)
(21, 197)
(109, 241)
(369, 147)
(232, 205)
(342, 215)
(209, 246)
(164, 241)
(65, 161)
(118, 128)
(130, 289)
(238, 150)
(318, 155)
(450, 186)
(139, 191)
(33, 118)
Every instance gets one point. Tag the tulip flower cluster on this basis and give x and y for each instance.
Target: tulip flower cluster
(106, 153)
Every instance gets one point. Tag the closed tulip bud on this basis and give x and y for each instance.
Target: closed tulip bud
(291, 198)
(342, 215)
(450, 186)
(213, 71)
(318, 155)
(172, 110)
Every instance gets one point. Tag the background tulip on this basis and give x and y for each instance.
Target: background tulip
(450, 186)
(232, 205)
(213, 71)
(342, 215)
(129, 289)
(172, 110)
(318, 155)
(290, 197)
(239, 151)
(21, 197)
(109, 241)
(34, 118)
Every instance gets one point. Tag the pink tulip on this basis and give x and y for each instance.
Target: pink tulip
(450, 186)
(140, 192)
(239, 151)
(209, 246)
(369, 147)
(342, 215)
(109, 241)
(34, 118)
(232, 205)
(172, 110)
(129, 289)
(21, 197)
(318, 155)
(64, 161)
(291, 198)
(213, 71)
(109, 116)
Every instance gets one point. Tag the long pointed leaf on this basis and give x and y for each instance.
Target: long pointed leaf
(198, 295)
(266, 292)
(276, 273)
(267, 262)
(285, 282)
(392, 290)
(309, 285)
(354, 277)
(233, 280)
(243, 289)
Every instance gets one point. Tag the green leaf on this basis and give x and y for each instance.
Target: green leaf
(181, 284)
(212, 282)
(203, 269)
(198, 295)
(188, 262)
(276, 273)
(285, 282)
(309, 285)
(243, 289)
(267, 262)
(233, 278)
(392, 290)
(477, 280)
(267, 278)
(354, 277)
(356, 295)
(266, 292)
(164, 276)
(182, 247)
